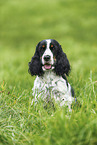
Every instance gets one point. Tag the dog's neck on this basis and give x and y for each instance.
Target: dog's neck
(49, 76)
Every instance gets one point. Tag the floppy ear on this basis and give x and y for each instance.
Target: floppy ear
(35, 66)
(62, 63)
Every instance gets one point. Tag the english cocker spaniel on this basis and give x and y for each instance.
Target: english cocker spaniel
(50, 65)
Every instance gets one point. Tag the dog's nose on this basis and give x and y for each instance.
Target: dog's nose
(47, 57)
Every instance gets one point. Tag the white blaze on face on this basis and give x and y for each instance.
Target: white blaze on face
(49, 53)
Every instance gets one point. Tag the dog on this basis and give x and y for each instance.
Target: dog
(51, 65)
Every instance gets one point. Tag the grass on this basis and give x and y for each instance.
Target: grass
(22, 25)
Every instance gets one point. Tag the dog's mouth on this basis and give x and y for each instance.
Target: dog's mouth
(47, 66)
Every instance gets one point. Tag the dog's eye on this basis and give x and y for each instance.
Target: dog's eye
(43, 46)
(52, 46)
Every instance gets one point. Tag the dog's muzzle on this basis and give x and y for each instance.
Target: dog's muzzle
(47, 63)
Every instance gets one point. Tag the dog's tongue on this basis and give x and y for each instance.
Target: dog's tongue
(47, 66)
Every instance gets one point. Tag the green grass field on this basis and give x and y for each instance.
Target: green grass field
(23, 23)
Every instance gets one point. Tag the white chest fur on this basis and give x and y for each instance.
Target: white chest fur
(51, 86)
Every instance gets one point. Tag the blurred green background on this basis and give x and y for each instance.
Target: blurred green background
(23, 23)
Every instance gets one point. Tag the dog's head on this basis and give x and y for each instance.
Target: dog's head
(49, 56)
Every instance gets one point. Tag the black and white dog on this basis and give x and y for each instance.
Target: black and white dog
(50, 65)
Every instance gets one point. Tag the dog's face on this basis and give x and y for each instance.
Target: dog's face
(48, 51)
(49, 56)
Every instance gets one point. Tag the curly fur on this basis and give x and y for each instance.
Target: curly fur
(35, 66)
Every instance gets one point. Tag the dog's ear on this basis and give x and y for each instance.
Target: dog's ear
(62, 65)
(35, 66)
